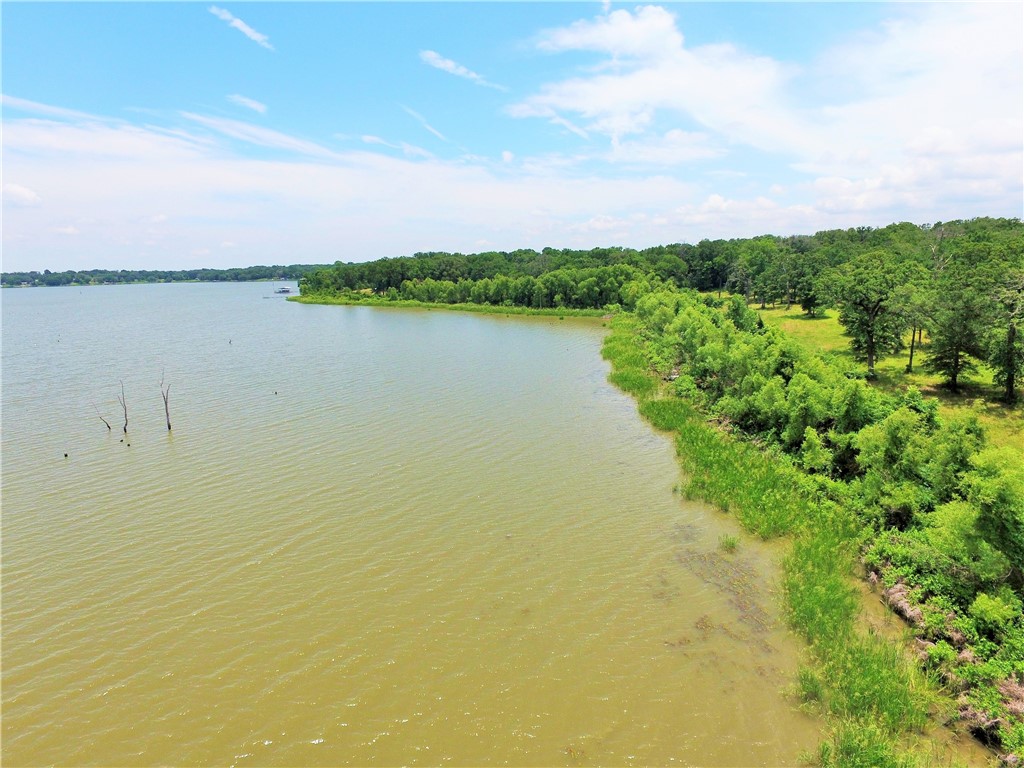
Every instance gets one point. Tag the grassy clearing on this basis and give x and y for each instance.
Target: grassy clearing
(824, 335)
(874, 697)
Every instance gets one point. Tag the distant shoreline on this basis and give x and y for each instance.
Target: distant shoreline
(487, 309)
(150, 282)
(90, 277)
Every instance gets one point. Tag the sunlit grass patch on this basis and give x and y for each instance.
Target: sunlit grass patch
(822, 333)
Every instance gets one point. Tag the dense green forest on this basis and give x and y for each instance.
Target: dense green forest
(867, 480)
(114, 277)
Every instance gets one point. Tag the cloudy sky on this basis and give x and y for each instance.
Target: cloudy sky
(173, 135)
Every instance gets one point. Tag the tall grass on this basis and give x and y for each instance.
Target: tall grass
(872, 695)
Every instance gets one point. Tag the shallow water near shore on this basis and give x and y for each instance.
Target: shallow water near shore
(373, 537)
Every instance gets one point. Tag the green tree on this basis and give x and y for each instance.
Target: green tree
(1006, 341)
(960, 318)
(917, 312)
(872, 292)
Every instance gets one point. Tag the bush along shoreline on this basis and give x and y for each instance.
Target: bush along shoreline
(866, 484)
(356, 298)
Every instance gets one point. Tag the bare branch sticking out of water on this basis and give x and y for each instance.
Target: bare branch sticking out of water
(165, 392)
(124, 407)
(101, 416)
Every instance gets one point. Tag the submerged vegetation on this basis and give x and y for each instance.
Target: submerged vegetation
(830, 441)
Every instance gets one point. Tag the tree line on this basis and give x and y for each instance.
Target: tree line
(961, 282)
(119, 276)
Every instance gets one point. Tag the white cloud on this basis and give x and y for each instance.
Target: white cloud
(264, 137)
(70, 230)
(507, 157)
(242, 27)
(438, 61)
(650, 32)
(15, 194)
(244, 101)
(675, 147)
(602, 223)
(925, 108)
(733, 93)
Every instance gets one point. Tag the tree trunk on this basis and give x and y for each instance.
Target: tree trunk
(1011, 370)
(910, 365)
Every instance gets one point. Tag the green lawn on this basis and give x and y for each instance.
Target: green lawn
(825, 335)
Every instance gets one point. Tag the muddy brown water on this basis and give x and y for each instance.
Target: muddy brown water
(372, 538)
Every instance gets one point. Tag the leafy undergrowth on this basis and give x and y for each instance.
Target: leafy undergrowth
(841, 498)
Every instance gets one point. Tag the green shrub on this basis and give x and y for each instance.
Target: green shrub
(814, 456)
(941, 653)
(993, 614)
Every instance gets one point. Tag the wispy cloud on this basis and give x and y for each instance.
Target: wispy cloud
(245, 101)
(24, 105)
(241, 26)
(263, 137)
(534, 108)
(409, 150)
(438, 61)
(423, 121)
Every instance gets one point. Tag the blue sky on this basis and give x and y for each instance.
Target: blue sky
(173, 135)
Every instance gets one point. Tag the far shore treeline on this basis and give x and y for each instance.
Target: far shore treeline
(121, 276)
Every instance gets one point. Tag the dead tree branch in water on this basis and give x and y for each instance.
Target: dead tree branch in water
(101, 417)
(120, 399)
(165, 392)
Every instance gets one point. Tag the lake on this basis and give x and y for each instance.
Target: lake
(373, 537)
